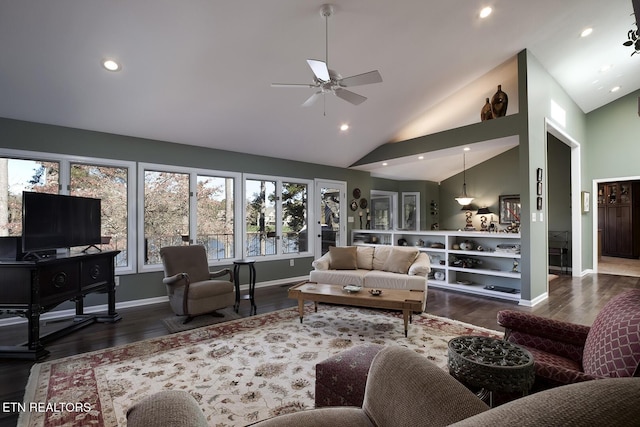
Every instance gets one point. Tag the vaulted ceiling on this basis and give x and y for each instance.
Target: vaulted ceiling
(199, 72)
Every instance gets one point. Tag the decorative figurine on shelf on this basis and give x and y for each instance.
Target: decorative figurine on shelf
(499, 103)
(469, 222)
(483, 223)
(515, 265)
(486, 113)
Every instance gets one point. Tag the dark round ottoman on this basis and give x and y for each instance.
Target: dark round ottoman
(341, 379)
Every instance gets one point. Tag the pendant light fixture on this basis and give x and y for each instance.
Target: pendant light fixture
(464, 199)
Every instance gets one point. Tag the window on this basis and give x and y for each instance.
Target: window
(166, 212)
(260, 214)
(294, 217)
(215, 213)
(276, 214)
(109, 184)
(16, 176)
(112, 181)
(187, 206)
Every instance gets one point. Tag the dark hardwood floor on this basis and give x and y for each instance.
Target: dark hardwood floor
(575, 300)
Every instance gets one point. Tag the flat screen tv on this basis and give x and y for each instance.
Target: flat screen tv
(52, 221)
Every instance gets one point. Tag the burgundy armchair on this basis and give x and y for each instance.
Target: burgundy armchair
(566, 353)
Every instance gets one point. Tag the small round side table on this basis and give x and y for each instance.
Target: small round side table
(491, 364)
(252, 283)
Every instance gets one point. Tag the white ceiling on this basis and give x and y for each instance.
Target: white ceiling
(199, 72)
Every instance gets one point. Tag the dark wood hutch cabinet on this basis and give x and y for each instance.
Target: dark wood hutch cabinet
(619, 218)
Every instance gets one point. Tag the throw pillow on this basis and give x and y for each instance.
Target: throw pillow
(365, 257)
(400, 260)
(343, 258)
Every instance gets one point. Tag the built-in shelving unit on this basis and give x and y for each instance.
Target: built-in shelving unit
(474, 262)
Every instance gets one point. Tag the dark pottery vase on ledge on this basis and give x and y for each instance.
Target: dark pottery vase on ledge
(486, 113)
(499, 103)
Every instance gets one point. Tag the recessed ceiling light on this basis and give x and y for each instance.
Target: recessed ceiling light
(467, 149)
(615, 89)
(486, 11)
(420, 157)
(111, 65)
(344, 127)
(385, 164)
(586, 32)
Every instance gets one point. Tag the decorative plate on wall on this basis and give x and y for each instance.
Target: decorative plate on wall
(356, 193)
(363, 203)
(354, 205)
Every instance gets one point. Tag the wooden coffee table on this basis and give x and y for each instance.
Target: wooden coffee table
(393, 299)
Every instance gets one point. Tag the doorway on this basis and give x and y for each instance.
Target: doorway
(331, 208)
(609, 256)
(575, 227)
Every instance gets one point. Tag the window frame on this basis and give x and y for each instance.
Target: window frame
(279, 180)
(65, 161)
(193, 185)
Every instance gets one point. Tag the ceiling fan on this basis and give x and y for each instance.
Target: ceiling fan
(327, 81)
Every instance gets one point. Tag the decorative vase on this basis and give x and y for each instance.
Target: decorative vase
(499, 103)
(486, 113)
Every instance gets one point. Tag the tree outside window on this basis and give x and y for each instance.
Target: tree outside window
(109, 184)
(16, 176)
(166, 212)
(215, 216)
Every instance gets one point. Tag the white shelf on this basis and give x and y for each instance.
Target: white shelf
(498, 266)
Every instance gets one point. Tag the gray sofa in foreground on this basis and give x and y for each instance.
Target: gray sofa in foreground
(404, 389)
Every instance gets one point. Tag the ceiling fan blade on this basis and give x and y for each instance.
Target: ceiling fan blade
(319, 69)
(362, 79)
(312, 99)
(349, 96)
(292, 85)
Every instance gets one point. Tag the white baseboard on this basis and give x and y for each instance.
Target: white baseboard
(69, 313)
(535, 301)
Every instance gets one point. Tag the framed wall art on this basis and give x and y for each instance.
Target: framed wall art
(509, 208)
(411, 211)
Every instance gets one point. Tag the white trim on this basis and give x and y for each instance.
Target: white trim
(537, 300)
(315, 244)
(576, 188)
(393, 208)
(69, 313)
(594, 209)
(193, 174)
(278, 180)
(64, 161)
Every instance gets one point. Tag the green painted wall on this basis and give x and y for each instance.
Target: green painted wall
(429, 191)
(611, 153)
(612, 145)
(485, 182)
(540, 88)
(28, 136)
(603, 134)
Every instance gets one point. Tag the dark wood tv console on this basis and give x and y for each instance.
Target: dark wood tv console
(30, 288)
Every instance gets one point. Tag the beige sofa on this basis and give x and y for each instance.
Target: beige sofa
(374, 267)
(404, 389)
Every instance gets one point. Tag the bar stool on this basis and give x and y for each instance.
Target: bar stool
(252, 283)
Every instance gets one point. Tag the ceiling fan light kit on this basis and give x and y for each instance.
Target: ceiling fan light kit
(328, 81)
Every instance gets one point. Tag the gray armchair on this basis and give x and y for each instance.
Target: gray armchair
(193, 289)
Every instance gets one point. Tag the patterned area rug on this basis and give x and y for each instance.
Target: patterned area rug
(240, 371)
(176, 323)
